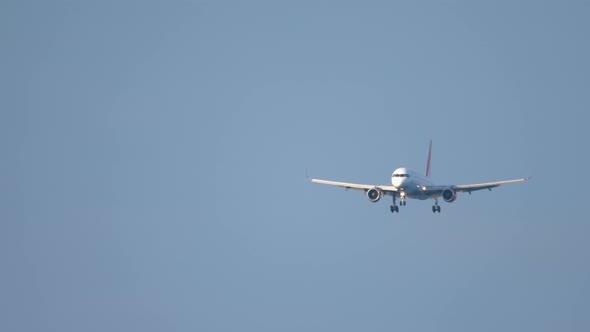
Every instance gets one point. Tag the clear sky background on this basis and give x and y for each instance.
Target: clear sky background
(154, 155)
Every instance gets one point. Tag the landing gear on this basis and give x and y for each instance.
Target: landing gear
(394, 207)
(402, 198)
(436, 207)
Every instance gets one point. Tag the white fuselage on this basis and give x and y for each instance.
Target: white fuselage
(410, 184)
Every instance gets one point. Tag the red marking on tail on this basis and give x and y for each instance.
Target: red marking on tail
(428, 160)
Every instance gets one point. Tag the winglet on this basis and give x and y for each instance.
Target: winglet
(428, 160)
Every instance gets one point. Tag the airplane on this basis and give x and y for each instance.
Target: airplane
(406, 183)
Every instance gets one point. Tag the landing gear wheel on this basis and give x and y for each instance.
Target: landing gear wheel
(438, 208)
(394, 208)
(433, 209)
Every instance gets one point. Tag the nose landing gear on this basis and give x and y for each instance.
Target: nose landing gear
(402, 198)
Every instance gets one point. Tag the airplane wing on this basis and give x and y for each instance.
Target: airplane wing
(357, 186)
(485, 185)
(473, 186)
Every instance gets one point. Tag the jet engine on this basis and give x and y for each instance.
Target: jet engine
(374, 194)
(449, 195)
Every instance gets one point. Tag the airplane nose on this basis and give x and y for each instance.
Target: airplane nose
(401, 184)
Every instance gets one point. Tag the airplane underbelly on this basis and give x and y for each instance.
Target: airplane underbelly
(419, 196)
(416, 194)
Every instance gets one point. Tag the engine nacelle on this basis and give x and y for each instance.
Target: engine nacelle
(449, 195)
(374, 194)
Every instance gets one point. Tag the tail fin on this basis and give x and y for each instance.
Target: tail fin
(428, 160)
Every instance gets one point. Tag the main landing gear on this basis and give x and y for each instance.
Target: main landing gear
(436, 207)
(394, 207)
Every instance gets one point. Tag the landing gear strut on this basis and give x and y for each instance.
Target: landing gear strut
(436, 207)
(402, 198)
(394, 207)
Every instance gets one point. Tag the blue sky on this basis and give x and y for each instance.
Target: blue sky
(155, 156)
